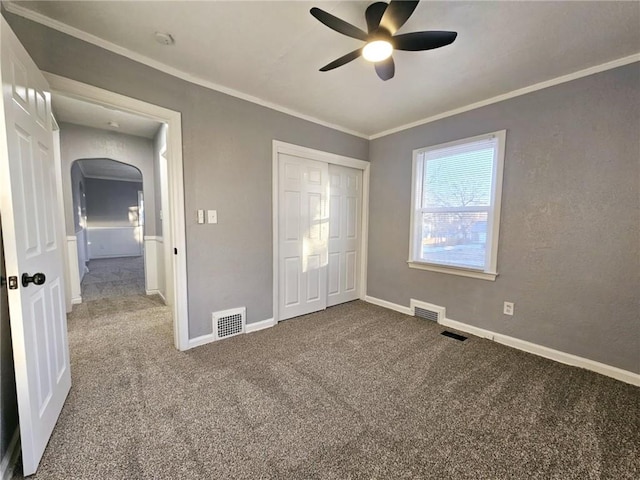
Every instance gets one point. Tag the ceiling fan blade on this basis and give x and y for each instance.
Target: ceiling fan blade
(338, 24)
(374, 15)
(342, 60)
(386, 69)
(396, 14)
(417, 41)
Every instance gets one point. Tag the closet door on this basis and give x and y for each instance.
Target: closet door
(303, 232)
(345, 220)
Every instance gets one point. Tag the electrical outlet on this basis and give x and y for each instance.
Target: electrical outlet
(508, 308)
(212, 216)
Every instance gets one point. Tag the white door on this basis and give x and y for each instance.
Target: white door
(29, 222)
(302, 231)
(345, 222)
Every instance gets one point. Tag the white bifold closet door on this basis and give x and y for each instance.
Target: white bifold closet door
(345, 222)
(303, 224)
(319, 224)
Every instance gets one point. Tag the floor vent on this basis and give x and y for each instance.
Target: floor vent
(229, 322)
(455, 336)
(427, 311)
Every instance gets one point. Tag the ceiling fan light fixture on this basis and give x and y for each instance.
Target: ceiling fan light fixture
(377, 51)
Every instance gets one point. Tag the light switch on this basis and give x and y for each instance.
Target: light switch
(200, 216)
(212, 216)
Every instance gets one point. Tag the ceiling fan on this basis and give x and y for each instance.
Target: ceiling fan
(383, 21)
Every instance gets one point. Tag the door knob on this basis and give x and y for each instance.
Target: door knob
(36, 279)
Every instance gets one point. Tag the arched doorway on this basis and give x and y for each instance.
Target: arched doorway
(108, 211)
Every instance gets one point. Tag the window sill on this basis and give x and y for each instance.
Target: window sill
(453, 271)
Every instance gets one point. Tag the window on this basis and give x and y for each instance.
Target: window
(455, 212)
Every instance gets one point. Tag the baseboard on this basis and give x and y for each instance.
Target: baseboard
(116, 255)
(463, 327)
(255, 326)
(546, 352)
(10, 458)
(389, 305)
(201, 340)
(164, 299)
(153, 292)
(249, 328)
(569, 359)
(76, 300)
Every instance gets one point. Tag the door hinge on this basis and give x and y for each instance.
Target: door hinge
(13, 283)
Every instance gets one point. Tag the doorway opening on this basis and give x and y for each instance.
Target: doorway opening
(109, 223)
(111, 117)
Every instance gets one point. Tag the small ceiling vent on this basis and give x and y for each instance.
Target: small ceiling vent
(427, 311)
(228, 323)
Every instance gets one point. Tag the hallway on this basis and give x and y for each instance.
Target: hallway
(113, 277)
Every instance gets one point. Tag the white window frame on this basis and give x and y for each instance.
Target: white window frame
(493, 219)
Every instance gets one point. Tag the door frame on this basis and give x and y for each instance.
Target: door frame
(330, 158)
(82, 91)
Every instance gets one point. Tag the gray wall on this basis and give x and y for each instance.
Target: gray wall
(79, 142)
(109, 203)
(227, 149)
(569, 238)
(8, 402)
(569, 246)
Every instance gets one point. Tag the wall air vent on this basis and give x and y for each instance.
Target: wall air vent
(228, 323)
(428, 311)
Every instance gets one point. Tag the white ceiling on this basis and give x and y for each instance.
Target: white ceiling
(272, 50)
(71, 110)
(109, 170)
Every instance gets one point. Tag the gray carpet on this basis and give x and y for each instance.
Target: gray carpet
(109, 277)
(356, 392)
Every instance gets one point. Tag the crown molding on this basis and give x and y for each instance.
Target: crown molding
(24, 12)
(112, 47)
(515, 93)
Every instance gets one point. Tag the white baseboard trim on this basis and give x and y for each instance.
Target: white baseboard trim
(117, 255)
(249, 328)
(201, 340)
(389, 305)
(546, 352)
(152, 292)
(557, 355)
(255, 326)
(162, 296)
(10, 457)
(76, 300)
(463, 327)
